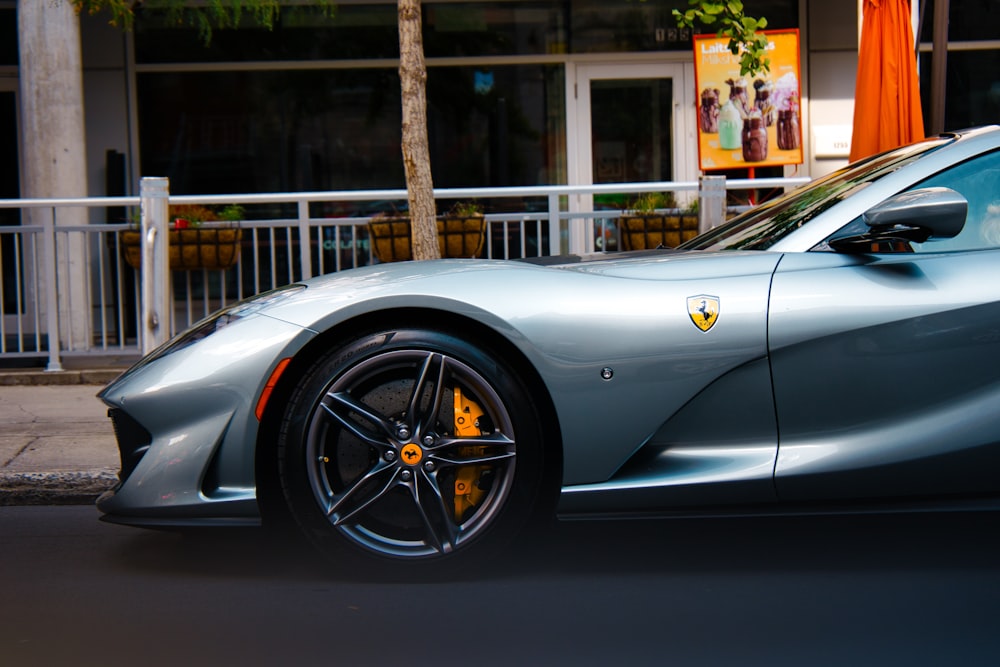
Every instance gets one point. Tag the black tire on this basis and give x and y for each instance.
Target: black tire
(374, 460)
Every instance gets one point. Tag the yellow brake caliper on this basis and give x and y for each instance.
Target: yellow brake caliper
(467, 491)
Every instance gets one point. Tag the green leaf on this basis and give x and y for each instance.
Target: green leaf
(729, 21)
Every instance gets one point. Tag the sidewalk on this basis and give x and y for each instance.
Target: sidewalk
(57, 445)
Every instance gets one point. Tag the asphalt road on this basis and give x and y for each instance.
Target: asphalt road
(892, 590)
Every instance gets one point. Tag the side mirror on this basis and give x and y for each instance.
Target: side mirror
(914, 216)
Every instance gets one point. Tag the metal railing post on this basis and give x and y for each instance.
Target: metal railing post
(305, 240)
(555, 227)
(154, 193)
(49, 270)
(711, 202)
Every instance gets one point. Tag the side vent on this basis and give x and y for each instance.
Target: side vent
(133, 441)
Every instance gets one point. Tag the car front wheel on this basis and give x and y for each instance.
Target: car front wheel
(410, 445)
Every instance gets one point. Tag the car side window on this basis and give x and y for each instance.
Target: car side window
(978, 180)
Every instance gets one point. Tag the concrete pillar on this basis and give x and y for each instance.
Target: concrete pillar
(53, 145)
(711, 202)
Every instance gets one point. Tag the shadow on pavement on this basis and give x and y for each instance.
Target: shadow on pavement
(584, 548)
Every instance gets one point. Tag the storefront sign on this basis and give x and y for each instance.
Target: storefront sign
(832, 141)
(742, 122)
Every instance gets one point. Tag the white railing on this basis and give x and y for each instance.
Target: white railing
(67, 290)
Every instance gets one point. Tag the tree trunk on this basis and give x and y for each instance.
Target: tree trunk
(416, 151)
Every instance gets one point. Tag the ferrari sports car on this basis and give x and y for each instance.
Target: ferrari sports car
(836, 349)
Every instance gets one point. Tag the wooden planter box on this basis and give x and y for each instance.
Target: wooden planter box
(642, 232)
(190, 249)
(457, 237)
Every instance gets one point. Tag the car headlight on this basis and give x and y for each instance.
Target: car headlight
(223, 318)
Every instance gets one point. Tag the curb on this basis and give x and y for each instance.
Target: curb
(59, 487)
(55, 488)
(17, 378)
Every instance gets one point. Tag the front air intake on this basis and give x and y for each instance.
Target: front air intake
(133, 441)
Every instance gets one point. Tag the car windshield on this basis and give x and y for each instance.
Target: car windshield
(766, 224)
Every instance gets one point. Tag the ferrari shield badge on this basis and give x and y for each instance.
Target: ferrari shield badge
(704, 311)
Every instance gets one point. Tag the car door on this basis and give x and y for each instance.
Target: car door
(886, 367)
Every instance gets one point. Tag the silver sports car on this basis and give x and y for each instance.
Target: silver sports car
(833, 350)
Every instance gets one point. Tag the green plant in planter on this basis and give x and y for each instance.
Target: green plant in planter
(182, 216)
(232, 213)
(190, 245)
(465, 209)
(650, 202)
(653, 221)
(461, 233)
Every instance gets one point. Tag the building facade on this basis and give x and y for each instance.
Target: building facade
(521, 92)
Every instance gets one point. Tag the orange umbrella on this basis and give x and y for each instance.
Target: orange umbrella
(887, 96)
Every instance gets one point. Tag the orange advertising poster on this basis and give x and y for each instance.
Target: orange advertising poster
(744, 122)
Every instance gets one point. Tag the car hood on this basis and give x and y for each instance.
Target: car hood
(445, 282)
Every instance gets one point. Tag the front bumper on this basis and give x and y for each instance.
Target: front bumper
(185, 424)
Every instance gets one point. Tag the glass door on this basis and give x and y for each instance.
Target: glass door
(632, 123)
(9, 189)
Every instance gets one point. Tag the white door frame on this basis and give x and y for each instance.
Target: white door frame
(579, 152)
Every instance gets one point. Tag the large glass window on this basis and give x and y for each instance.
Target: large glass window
(301, 33)
(232, 118)
(8, 37)
(9, 189)
(451, 29)
(972, 95)
(354, 31)
(496, 126)
(968, 20)
(271, 131)
(599, 26)
(973, 88)
(241, 131)
(464, 29)
(631, 130)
